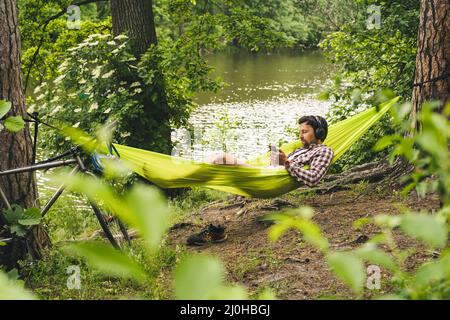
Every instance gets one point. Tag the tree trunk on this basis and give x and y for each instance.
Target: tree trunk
(432, 76)
(135, 18)
(16, 148)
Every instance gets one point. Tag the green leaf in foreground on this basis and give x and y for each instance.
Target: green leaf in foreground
(5, 106)
(427, 228)
(150, 213)
(14, 124)
(144, 207)
(31, 216)
(197, 277)
(370, 253)
(108, 260)
(349, 268)
(10, 290)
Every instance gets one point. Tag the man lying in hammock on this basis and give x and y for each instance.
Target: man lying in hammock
(313, 132)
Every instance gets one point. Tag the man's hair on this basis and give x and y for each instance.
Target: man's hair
(318, 123)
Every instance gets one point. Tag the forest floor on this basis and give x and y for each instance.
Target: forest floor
(290, 267)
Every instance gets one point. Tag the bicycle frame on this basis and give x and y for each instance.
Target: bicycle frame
(79, 166)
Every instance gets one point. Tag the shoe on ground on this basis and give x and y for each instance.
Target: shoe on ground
(211, 234)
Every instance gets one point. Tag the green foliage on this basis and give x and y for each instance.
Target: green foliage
(427, 228)
(14, 124)
(349, 268)
(109, 260)
(189, 285)
(428, 151)
(11, 123)
(11, 290)
(100, 79)
(370, 59)
(96, 81)
(145, 209)
(52, 37)
(19, 220)
(5, 106)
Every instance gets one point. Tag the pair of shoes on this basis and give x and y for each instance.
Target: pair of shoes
(211, 234)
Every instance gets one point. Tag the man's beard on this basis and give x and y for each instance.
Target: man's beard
(308, 144)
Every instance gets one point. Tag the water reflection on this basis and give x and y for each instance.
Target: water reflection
(265, 97)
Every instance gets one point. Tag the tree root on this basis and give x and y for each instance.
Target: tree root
(380, 172)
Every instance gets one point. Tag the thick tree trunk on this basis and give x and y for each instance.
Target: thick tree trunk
(135, 18)
(432, 77)
(16, 148)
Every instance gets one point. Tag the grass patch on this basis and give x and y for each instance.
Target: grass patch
(48, 278)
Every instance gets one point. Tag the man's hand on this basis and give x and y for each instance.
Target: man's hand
(282, 158)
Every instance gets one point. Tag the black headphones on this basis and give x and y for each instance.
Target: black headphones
(320, 131)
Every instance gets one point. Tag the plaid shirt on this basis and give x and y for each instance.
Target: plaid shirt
(318, 156)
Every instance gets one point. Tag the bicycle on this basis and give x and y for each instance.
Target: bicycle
(54, 162)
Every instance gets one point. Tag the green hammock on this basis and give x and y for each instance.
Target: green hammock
(257, 181)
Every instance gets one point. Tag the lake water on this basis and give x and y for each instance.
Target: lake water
(265, 96)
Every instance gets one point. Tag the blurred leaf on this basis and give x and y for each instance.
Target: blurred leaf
(384, 220)
(376, 256)
(267, 294)
(324, 96)
(298, 219)
(312, 234)
(9, 290)
(277, 230)
(357, 224)
(108, 260)
(401, 111)
(235, 292)
(348, 268)
(385, 95)
(144, 207)
(426, 228)
(429, 272)
(383, 143)
(95, 190)
(421, 189)
(14, 124)
(149, 213)
(198, 277)
(88, 143)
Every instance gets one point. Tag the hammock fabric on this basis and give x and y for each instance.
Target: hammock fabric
(258, 181)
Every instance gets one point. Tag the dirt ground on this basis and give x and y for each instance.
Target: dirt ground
(290, 267)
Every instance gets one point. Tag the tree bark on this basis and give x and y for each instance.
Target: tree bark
(16, 148)
(135, 18)
(432, 76)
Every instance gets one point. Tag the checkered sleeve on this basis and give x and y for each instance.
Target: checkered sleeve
(318, 167)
